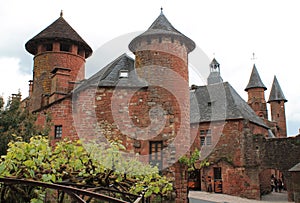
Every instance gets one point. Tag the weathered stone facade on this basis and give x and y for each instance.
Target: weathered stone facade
(148, 105)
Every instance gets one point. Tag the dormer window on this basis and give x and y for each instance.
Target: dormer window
(123, 74)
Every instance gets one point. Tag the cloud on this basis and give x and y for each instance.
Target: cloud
(11, 79)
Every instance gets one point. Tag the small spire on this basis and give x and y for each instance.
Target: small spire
(253, 56)
(61, 13)
(161, 10)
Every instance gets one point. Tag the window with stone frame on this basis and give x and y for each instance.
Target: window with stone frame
(202, 140)
(208, 140)
(58, 131)
(156, 153)
(205, 137)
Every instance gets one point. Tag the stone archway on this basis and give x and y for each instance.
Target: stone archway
(265, 179)
(278, 153)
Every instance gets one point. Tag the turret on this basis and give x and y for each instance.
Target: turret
(164, 45)
(161, 58)
(214, 75)
(256, 94)
(276, 101)
(59, 62)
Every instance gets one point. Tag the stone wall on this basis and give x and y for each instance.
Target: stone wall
(276, 153)
(44, 63)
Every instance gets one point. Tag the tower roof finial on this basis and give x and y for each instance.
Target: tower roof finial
(253, 56)
(161, 10)
(61, 13)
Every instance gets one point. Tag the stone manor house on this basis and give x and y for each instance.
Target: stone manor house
(147, 103)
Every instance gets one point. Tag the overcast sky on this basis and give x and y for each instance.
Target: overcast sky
(229, 30)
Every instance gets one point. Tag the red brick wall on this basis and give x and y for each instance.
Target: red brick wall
(278, 115)
(257, 101)
(44, 63)
(60, 114)
(230, 151)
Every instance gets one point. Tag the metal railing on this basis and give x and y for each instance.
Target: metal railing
(76, 193)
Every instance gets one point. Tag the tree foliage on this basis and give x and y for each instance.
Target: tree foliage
(192, 159)
(69, 162)
(16, 120)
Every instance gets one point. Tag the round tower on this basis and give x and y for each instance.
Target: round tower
(161, 59)
(256, 94)
(276, 101)
(59, 62)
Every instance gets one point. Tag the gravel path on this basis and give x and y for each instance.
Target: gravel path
(204, 197)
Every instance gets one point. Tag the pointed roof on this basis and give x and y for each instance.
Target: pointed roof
(276, 93)
(255, 80)
(58, 30)
(214, 62)
(162, 27)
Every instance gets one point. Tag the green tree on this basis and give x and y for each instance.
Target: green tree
(94, 165)
(16, 120)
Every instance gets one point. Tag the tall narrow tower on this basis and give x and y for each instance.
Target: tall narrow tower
(276, 101)
(256, 94)
(59, 62)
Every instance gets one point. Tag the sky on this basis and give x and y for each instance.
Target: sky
(231, 31)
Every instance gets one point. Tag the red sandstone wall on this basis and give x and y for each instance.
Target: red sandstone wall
(230, 152)
(256, 100)
(44, 63)
(278, 115)
(60, 114)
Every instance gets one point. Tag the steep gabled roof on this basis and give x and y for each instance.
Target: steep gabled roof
(276, 93)
(109, 76)
(162, 27)
(255, 80)
(58, 30)
(219, 102)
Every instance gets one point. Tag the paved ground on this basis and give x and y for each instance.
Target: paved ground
(204, 197)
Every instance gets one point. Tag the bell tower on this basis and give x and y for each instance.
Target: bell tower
(214, 75)
(59, 62)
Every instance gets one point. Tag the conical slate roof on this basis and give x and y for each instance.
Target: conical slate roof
(276, 93)
(162, 27)
(58, 30)
(255, 80)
